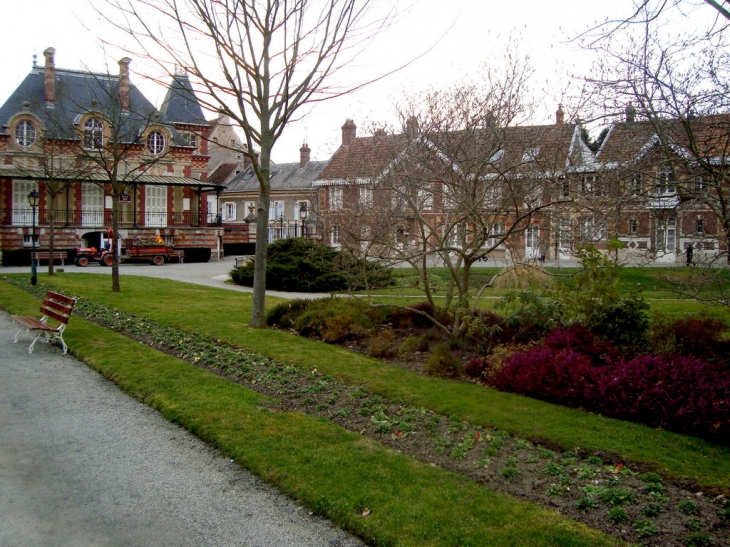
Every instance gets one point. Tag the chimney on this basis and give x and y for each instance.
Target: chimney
(124, 82)
(559, 116)
(412, 127)
(630, 113)
(304, 155)
(349, 132)
(50, 75)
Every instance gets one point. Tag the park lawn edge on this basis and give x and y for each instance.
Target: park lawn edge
(336, 473)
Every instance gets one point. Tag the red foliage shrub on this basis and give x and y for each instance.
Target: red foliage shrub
(702, 337)
(474, 367)
(680, 393)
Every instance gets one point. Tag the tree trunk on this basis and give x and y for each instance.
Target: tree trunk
(116, 286)
(51, 237)
(258, 311)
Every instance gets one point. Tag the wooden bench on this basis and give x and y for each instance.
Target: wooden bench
(55, 306)
(46, 255)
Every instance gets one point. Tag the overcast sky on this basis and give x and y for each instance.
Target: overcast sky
(466, 34)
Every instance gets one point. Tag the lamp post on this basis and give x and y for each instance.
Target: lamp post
(303, 216)
(33, 199)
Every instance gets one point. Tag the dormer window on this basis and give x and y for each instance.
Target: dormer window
(25, 133)
(530, 154)
(496, 157)
(191, 139)
(93, 134)
(156, 143)
(665, 180)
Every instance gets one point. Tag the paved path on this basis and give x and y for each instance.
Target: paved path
(83, 465)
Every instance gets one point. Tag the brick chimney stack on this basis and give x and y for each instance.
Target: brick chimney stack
(304, 155)
(559, 116)
(50, 75)
(630, 113)
(349, 132)
(124, 82)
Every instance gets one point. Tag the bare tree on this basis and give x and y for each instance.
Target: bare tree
(259, 62)
(462, 182)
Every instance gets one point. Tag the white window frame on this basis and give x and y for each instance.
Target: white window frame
(92, 205)
(530, 154)
(665, 181)
(276, 210)
(335, 198)
(22, 211)
(495, 235)
(93, 134)
(229, 210)
(366, 196)
(26, 133)
(156, 143)
(155, 206)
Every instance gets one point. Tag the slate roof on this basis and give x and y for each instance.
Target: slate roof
(285, 177)
(78, 93)
(222, 172)
(181, 105)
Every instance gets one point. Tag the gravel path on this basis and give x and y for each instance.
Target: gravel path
(82, 464)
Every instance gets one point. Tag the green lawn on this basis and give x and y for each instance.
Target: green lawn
(283, 448)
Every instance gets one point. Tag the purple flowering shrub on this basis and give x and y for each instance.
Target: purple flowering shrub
(572, 368)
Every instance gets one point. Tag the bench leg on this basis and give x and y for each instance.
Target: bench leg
(38, 335)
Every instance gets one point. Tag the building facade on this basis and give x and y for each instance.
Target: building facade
(89, 143)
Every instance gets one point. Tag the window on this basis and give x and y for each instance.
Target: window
(592, 229)
(366, 196)
(276, 210)
(565, 233)
(495, 233)
(633, 226)
(700, 226)
(590, 185)
(25, 133)
(425, 198)
(229, 210)
(633, 185)
(191, 139)
(156, 143)
(28, 240)
(93, 134)
(700, 186)
(156, 206)
(665, 180)
(298, 209)
(530, 154)
(22, 211)
(493, 196)
(335, 234)
(565, 188)
(666, 235)
(335, 195)
(92, 205)
(532, 237)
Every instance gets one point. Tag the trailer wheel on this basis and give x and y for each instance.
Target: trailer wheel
(107, 260)
(82, 261)
(158, 260)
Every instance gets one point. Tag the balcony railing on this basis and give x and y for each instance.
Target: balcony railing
(103, 219)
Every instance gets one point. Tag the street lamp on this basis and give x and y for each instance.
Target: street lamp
(303, 216)
(33, 199)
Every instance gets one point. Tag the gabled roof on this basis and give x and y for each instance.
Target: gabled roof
(181, 105)
(706, 136)
(222, 172)
(285, 177)
(553, 147)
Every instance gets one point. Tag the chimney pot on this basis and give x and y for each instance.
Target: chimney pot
(559, 116)
(349, 132)
(124, 82)
(50, 75)
(630, 113)
(304, 155)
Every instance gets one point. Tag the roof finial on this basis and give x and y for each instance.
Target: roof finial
(35, 59)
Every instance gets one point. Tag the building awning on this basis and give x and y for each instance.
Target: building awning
(148, 180)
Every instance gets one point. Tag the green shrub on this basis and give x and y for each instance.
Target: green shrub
(303, 265)
(382, 344)
(645, 528)
(284, 314)
(443, 363)
(413, 344)
(699, 539)
(688, 507)
(334, 319)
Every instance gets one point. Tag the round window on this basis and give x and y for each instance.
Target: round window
(156, 142)
(25, 133)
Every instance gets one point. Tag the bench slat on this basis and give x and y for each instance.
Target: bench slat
(55, 306)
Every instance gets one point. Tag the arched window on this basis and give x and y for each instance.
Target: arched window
(156, 143)
(25, 133)
(94, 134)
